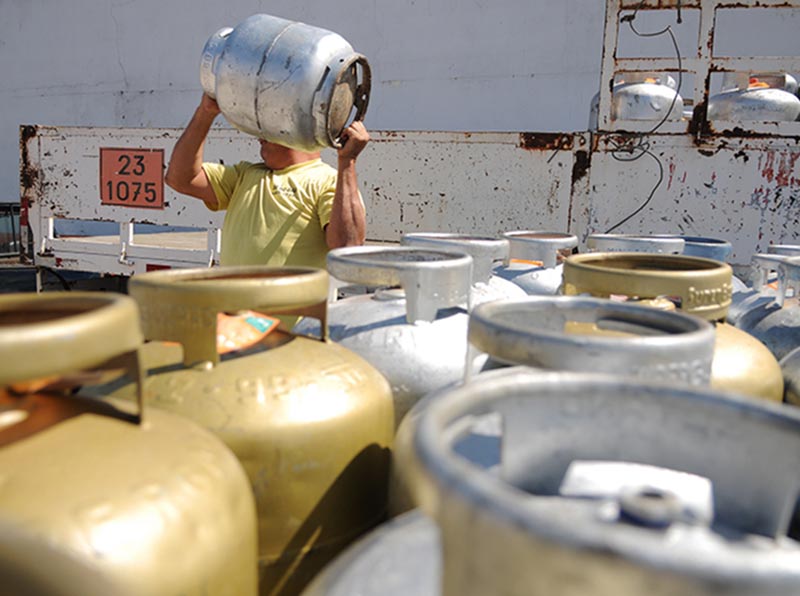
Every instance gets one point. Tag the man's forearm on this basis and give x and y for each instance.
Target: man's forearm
(186, 161)
(348, 224)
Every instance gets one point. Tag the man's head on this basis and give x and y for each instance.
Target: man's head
(278, 157)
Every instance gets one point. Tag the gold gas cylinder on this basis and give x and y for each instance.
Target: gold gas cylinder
(97, 497)
(311, 422)
(699, 286)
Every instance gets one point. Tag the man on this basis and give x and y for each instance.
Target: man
(289, 210)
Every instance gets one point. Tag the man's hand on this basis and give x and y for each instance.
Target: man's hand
(209, 106)
(354, 138)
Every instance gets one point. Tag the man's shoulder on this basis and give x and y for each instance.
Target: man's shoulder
(249, 167)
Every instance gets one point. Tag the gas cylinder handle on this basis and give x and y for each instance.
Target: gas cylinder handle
(208, 61)
(709, 248)
(486, 252)
(550, 419)
(786, 250)
(360, 98)
(432, 279)
(788, 277)
(58, 333)
(182, 304)
(635, 243)
(543, 246)
(703, 286)
(763, 265)
(588, 334)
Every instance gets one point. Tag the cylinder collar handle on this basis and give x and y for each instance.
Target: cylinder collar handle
(616, 337)
(534, 456)
(533, 245)
(788, 278)
(763, 265)
(635, 243)
(787, 250)
(709, 248)
(432, 279)
(360, 95)
(55, 334)
(208, 61)
(703, 286)
(486, 252)
(182, 305)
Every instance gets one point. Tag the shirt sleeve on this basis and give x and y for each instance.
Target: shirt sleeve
(223, 180)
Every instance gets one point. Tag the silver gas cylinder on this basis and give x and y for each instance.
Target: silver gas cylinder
(663, 244)
(571, 333)
(486, 253)
(107, 497)
(284, 81)
(777, 323)
(790, 365)
(400, 558)
(707, 248)
(605, 486)
(701, 287)
(766, 97)
(536, 260)
(642, 96)
(414, 329)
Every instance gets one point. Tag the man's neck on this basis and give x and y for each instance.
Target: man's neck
(285, 157)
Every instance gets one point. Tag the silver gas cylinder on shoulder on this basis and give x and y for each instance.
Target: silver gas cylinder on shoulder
(536, 260)
(486, 252)
(284, 81)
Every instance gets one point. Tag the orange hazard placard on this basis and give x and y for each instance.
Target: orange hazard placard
(132, 177)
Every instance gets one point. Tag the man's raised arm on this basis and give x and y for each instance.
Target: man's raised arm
(185, 172)
(348, 223)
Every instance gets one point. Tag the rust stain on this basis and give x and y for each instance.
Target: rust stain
(779, 168)
(787, 4)
(671, 173)
(699, 126)
(580, 166)
(28, 173)
(543, 141)
(658, 4)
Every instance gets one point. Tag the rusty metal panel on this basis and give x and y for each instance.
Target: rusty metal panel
(65, 165)
(60, 179)
(743, 190)
(699, 62)
(480, 183)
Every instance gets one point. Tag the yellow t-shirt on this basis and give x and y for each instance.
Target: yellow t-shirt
(274, 217)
